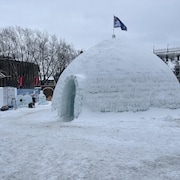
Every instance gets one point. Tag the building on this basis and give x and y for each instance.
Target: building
(115, 76)
(170, 55)
(18, 74)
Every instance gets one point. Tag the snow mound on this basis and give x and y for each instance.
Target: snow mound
(114, 76)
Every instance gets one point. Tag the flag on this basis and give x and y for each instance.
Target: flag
(36, 81)
(21, 81)
(119, 23)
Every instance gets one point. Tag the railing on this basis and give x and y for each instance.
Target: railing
(175, 50)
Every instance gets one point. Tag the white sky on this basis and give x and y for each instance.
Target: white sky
(84, 23)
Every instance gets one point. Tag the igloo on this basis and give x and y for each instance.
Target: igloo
(115, 76)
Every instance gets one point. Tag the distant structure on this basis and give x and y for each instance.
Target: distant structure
(170, 55)
(48, 87)
(18, 74)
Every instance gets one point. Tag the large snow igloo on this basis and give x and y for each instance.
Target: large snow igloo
(114, 76)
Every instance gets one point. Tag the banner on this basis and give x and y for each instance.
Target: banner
(21, 81)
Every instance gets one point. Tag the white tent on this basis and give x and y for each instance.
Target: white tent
(115, 77)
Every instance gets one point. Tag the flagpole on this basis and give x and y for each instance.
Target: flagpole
(113, 36)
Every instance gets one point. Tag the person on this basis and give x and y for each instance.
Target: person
(33, 101)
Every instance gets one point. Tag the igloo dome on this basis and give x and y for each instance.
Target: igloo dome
(114, 76)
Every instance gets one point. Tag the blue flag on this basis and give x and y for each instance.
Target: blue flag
(119, 23)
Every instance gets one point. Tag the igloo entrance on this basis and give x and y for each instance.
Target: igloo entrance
(68, 100)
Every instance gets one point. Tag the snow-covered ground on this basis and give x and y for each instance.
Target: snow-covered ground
(34, 145)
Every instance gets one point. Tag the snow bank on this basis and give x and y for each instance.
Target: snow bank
(34, 145)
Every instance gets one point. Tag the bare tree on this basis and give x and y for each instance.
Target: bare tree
(50, 54)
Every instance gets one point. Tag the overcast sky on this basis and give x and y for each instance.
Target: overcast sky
(84, 23)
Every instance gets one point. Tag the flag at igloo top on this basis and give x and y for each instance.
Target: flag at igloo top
(119, 23)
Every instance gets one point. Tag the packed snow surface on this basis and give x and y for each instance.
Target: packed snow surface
(34, 145)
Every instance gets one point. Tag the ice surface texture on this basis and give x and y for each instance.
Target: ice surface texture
(115, 76)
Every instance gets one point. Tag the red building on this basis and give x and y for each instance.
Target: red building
(18, 74)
